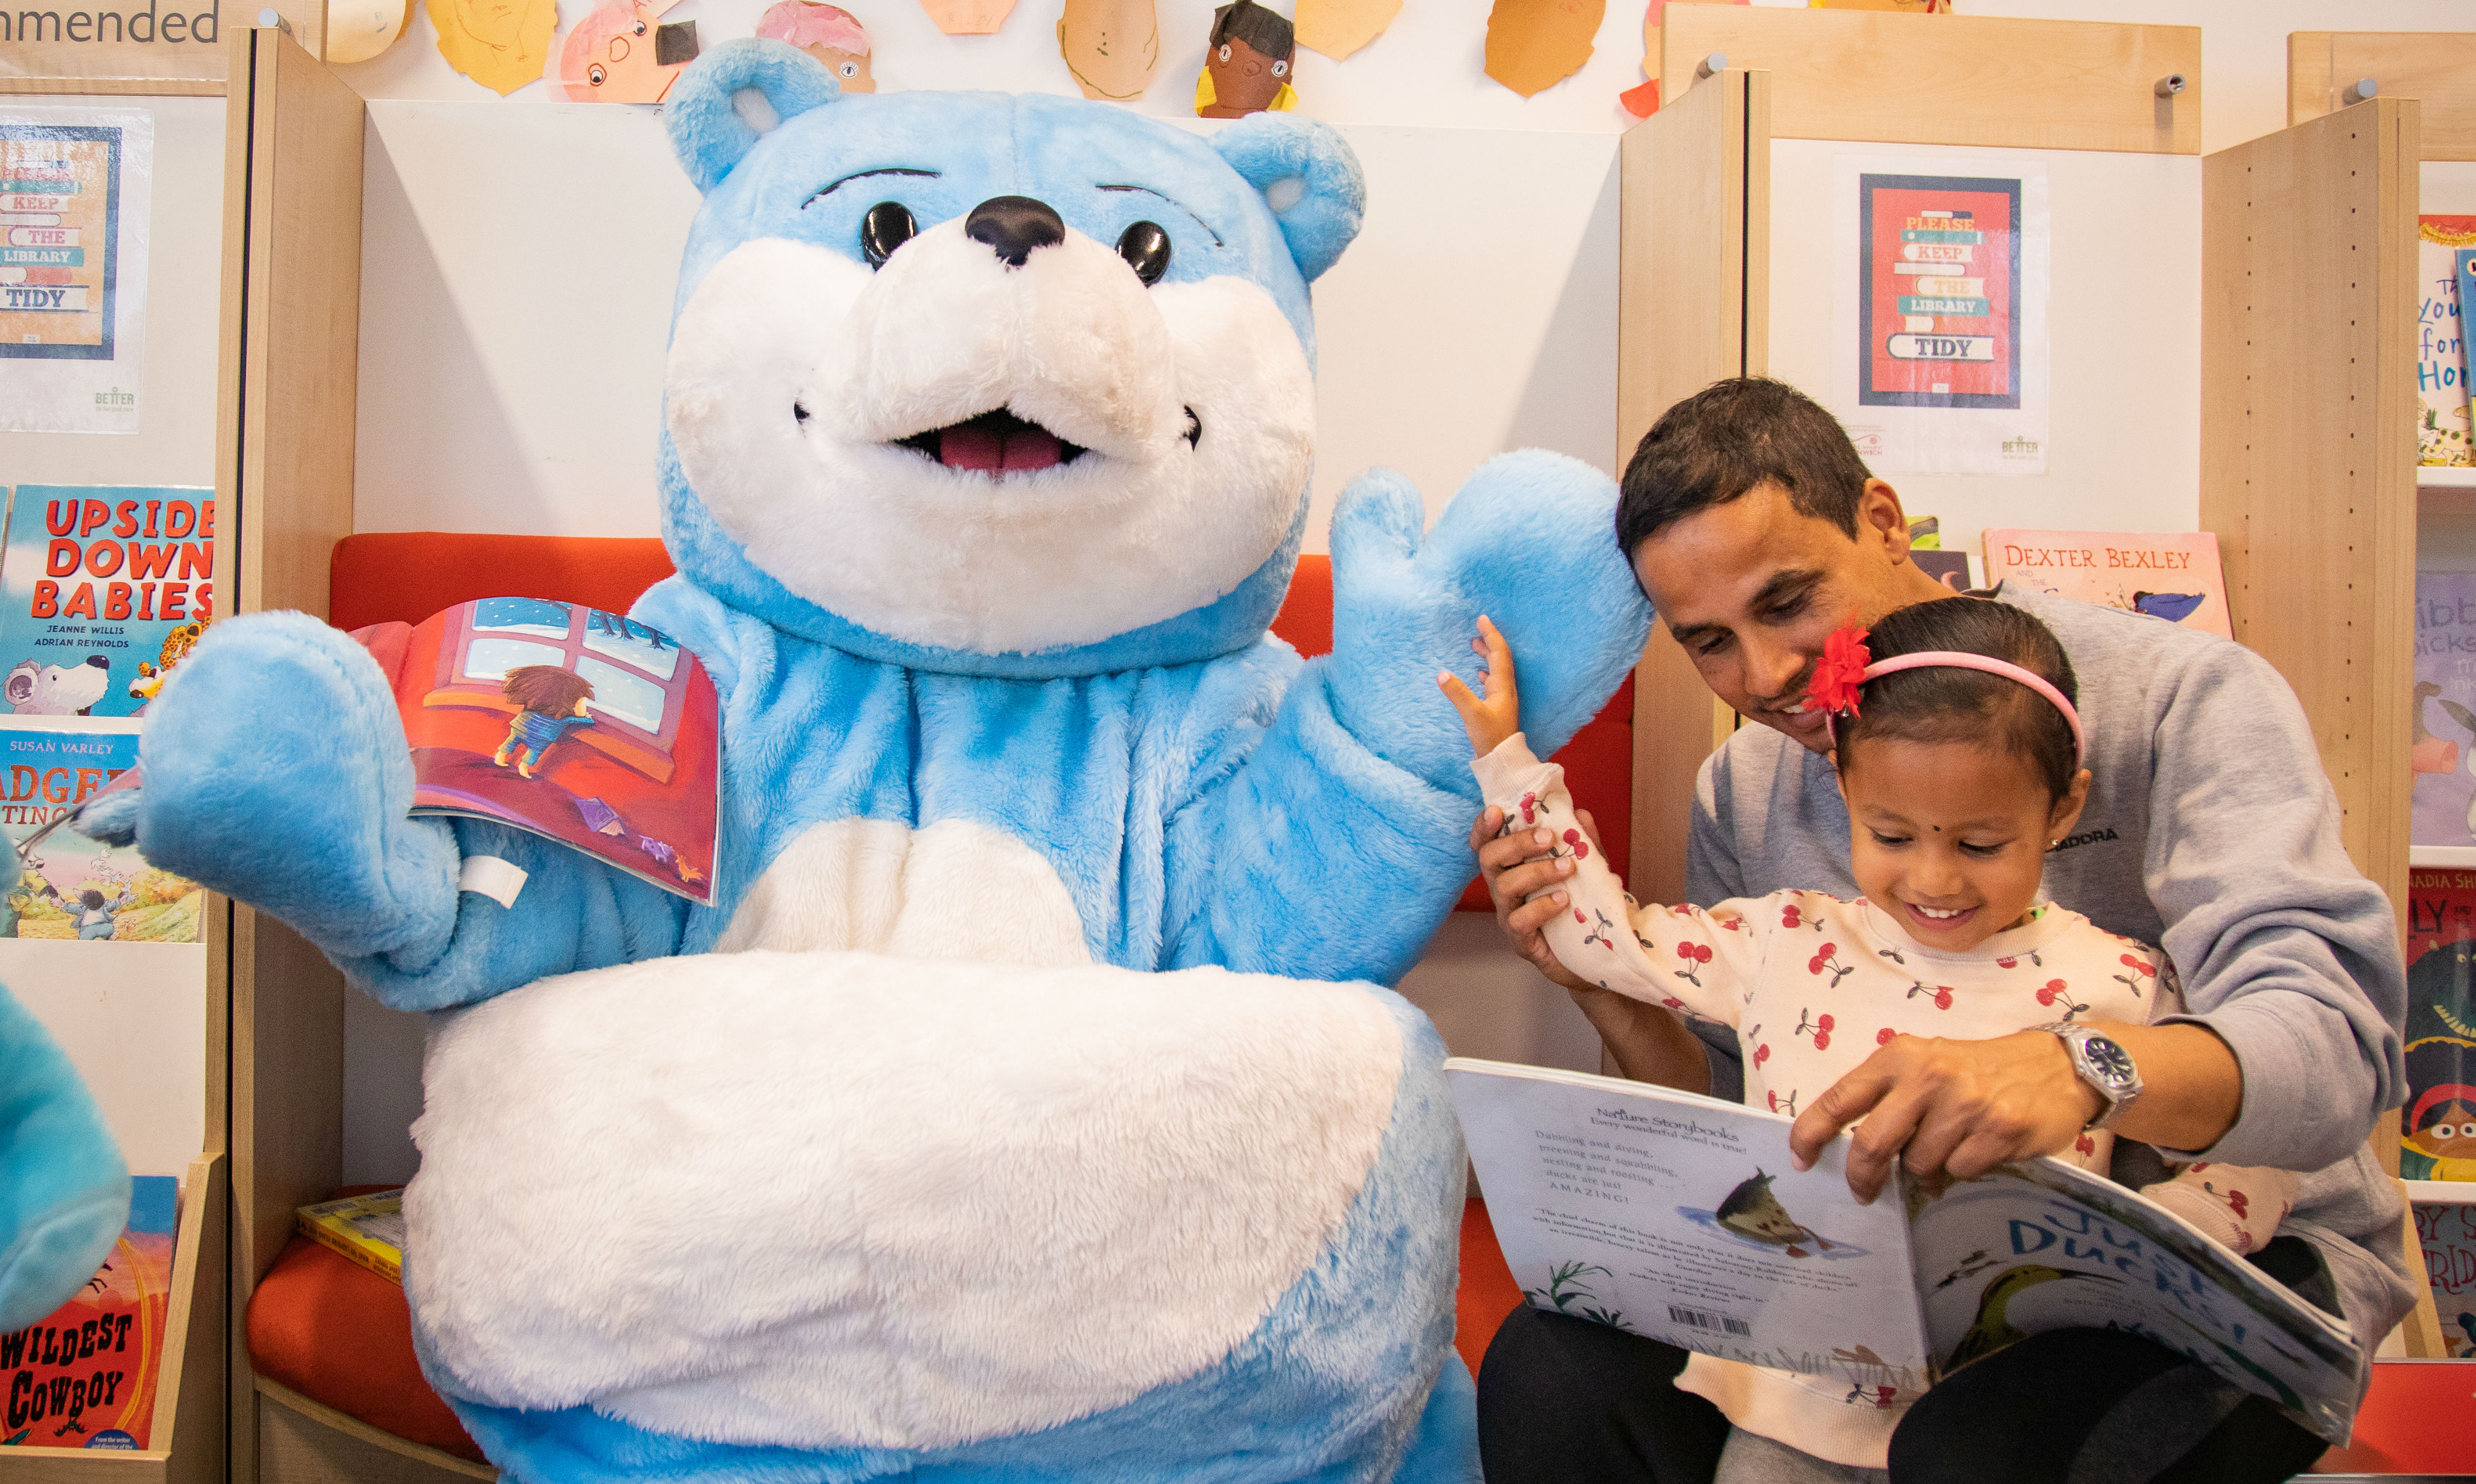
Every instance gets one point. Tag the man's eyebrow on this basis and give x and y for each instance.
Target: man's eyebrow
(1174, 201)
(1783, 585)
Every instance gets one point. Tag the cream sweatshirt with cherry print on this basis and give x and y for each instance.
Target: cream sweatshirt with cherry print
(1812, 985)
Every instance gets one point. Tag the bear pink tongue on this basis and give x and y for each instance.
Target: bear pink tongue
(997, 443)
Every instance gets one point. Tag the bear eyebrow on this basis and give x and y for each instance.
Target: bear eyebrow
(1174, 201)
(861, 175)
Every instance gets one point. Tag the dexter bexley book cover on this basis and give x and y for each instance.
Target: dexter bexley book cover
(580, 725)
(2171, 577)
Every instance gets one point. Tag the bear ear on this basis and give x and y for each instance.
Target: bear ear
(734, 95)
(1308, 177)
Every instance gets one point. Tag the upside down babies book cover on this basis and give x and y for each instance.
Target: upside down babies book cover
(581, 725)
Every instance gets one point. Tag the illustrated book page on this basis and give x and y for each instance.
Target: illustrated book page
(581, 725)
(2173, 576)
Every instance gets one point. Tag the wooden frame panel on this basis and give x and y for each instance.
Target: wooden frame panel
(2438, 69)
(1691, 295)
(292, 311)
(1876, 75)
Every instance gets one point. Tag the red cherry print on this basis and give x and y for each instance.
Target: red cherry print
(2007, 963)
(1814, 965)
(1581, 847)
(1943, 996)
(1827, 950)
(1699, 953)
(1824, 1021)
(1762, 1054)
(2239, 1200)
(2047, 996)
(2138, 966)
(2085, 1145)
(1579, 918)
(1885, 1036)
(1789, 915)
(1529, 809)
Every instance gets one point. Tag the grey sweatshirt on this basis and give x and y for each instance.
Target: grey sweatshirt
(2212, 832)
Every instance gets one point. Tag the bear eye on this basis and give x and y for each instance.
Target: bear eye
(887, 225)
(1224, 51)
(1146, 248)
(1280, 70)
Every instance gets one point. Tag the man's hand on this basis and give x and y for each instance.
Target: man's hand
(1950, 1108)
(1516, 865)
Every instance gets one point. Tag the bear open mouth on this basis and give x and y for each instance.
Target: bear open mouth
(996, 443)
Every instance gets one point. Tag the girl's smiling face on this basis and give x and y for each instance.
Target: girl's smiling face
(1949, 838)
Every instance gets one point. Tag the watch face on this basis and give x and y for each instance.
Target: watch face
(2111, 1062)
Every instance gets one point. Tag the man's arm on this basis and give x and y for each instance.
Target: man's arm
(2286, 952)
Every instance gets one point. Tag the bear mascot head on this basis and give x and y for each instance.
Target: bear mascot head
(1025, 1104)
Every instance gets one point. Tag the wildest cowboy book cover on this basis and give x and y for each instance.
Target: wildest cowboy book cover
(103, 590)
(579, 725)
(85, 1377)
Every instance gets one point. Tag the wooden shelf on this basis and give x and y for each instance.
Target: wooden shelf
(2436, 477)
(2440, 1192)
(2440, 855)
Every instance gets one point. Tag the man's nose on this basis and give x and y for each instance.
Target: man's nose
(1771, 671)
(1012, 226)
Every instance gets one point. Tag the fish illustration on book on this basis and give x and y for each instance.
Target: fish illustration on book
(1751, 1210)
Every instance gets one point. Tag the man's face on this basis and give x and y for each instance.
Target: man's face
(1751, 588)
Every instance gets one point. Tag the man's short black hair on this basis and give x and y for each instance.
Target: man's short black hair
(1727, 438)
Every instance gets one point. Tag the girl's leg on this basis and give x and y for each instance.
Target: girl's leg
(1563, 1401)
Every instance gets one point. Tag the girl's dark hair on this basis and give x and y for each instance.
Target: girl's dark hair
(1947, 704)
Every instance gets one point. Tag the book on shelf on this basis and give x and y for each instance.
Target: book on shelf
(367, 1229)
(104, 589)
(85, 1377)
(2173, 576)
(1682, 1219)
(2437, 1126)
(65, 886)
(2447, 1233)
(2441, 747)
(583, 726)
(2441, 427)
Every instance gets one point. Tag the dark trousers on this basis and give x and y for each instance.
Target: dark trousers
(1563, 1401)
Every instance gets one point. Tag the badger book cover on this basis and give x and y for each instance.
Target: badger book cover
(582, 726)
(1682, 1219)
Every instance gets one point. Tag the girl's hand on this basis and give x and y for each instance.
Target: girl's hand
(1498, 715)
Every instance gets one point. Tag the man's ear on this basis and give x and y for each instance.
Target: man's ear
(1308, 177)
(1880, 515)
(734, 95)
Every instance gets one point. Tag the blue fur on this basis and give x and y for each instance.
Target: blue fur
(64, 1190)
(1204, 796)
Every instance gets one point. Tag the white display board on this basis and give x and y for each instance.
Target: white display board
(2124, 430)
(132, 1016)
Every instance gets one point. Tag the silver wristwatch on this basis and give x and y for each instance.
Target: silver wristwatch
(2103, 1064)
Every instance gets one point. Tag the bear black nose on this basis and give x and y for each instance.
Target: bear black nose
(99, 662)
(1012, 226)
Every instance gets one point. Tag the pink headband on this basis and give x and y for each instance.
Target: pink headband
(1846, 666)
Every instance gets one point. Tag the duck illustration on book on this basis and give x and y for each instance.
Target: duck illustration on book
(1993, 1330)
(1751, 1210)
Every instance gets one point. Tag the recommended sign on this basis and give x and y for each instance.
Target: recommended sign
(73, 191)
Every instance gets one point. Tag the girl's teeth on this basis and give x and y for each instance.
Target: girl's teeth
(1932, 912)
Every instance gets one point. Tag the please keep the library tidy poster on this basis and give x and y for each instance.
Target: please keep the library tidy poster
(1939, 314)
(74, 188)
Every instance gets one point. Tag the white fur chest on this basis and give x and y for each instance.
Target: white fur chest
(956, 890)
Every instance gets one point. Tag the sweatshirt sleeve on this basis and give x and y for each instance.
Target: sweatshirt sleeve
(1686, 958)
(2287, 952)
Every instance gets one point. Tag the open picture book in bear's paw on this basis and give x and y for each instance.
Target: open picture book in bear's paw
(579, 725)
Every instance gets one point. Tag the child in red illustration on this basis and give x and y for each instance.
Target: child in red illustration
(1960, 757)
(548, 701)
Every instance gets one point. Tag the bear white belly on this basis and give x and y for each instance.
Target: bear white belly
(955, 890)
(831, 1198)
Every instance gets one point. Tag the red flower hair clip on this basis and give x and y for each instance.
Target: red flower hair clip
(1840, 673)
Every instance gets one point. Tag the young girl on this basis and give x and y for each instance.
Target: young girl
(549, 700)
(1959, 756)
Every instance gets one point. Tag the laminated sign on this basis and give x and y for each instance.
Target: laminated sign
(73, 195)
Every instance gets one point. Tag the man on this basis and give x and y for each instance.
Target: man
(1755, 530)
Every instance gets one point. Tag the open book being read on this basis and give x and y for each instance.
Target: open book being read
(1682, 1219)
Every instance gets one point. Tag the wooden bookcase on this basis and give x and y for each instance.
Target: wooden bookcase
(2305, 394)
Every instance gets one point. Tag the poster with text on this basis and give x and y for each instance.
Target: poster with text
(1939, 314)
(74, 186)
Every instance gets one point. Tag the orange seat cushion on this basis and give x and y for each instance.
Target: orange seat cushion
(404, 577)
(342, 1336)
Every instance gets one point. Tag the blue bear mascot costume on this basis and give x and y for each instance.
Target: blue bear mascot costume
(1020, 1111)
(63, 1189)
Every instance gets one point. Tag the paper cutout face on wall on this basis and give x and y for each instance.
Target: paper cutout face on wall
(1248, 68)
(1338, 28)
(624, 52)
(968, 17)
(829, 32)
(1111, 46)
(1644, 101)
(358, 30)
(500, 44)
